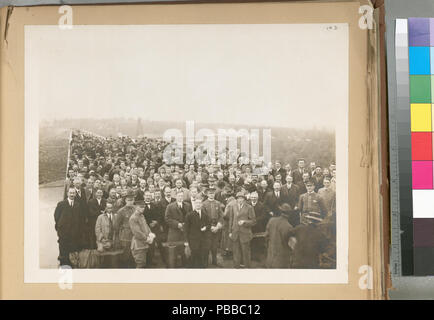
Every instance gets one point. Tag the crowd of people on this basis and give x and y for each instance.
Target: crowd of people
(121, 195)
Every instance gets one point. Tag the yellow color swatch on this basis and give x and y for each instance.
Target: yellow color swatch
(420, 117)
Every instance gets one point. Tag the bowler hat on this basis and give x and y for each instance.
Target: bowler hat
(285, 209)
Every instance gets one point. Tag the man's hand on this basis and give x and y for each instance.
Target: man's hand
(241, 222)
(271, 213)
(203, 229)
(214, 229)
(153, 223)
(179, 225)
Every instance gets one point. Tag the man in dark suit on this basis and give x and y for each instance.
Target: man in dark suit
(155, 219)
(273, 200)
(96, 206)
(279, 170)
(175, 218)
(68, 224)
(262, 190)
(262, 217)
(291, 192)
(297, 174)
(197, 233)
(241, 220)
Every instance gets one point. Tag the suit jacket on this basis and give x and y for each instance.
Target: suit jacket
(214, 210)
(104, 229)
(173, 216)
(244, 232)
(69, 222)
(272, 203)
(281, 171)
(94, 209)
(262, 217)
(262, 193)
(154, 213)
(297, 176)
(291, 194)
(140, 231)
(193, 224)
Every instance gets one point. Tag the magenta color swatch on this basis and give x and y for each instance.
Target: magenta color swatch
(419, 32)
(422, 174)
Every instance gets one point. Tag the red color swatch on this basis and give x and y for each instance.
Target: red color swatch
(421, 146)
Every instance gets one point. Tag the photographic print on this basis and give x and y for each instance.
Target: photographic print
(202, 153)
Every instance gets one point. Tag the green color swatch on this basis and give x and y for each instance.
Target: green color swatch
(420, 89)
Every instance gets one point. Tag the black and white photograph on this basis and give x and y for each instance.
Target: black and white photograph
(207, 153)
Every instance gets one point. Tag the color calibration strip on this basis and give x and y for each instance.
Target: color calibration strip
(421, 89)
(402, 211)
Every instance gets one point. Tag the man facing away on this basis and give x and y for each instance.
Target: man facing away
(241, 220)
(277, 237)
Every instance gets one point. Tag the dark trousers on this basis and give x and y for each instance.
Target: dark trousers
(199, 258)
(241, 250)
(91, 233)
(65, 248)
(214, 245)
(151, 250)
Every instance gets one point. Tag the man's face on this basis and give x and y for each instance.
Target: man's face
(318, 170)
(71, 194)
(310, 187)
(231, 179)
(254, 197)
(288, 179)
(276, 186)
(191, 168)
(157, 195)
(278, 165)
(301, 164)
(116, 178)
(129, 201)
(109, 208)
(264, 184)
(198, 204)
(334, 173)
(99, 194)
(211, 195)
(143, 184)
(179, 197)
(278, 177)
(167, 192)
(193, 193)
(305, 177)
(326, 183)
(240, 200)
(178, 184)
(147, 197)
(112, 193)
(71, 173)
(77, 183)
(312, 165)
(151, 188)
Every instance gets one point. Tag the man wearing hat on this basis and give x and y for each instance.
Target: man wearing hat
(311, 204)
(277, 236)
(122, 229)
(308, 243)
(214, 210)
(241, 220)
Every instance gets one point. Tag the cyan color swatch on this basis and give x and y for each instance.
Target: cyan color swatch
(419, 60)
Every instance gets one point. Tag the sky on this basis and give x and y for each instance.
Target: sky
(270, 75)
